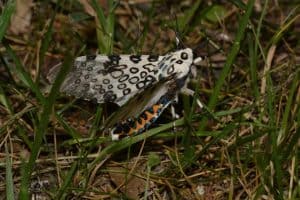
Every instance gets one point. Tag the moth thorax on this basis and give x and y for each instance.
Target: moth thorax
(178, 62)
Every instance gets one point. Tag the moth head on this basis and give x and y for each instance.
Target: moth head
(178, 62)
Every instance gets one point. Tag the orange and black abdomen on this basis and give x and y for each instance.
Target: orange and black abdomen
(133, 126)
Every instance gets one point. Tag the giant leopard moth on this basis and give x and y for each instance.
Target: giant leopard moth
(142, 85)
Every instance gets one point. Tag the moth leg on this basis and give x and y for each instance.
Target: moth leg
(174, 117)
(115, 137)
(187, 91)
(173, 113)
(190, 92)
(199, 103)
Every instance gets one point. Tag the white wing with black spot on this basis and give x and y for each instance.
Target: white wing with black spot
(118, 78)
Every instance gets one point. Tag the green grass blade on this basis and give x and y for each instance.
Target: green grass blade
(287, 110)
(240, 4)
(230, 59)
(42, 127)
(62, 192)
(105, 32)
(9, 184)
(7, 12)
(275, 156)
(5, 101)
(6, 64)
(45, 45)
(100, 15)
(226, 131)
(111, 24)
(280, 33)
(97, 122)
(184, 21)
(69, 129)
(253, 66)
(288, 149)
(23, 75)
(15, 117)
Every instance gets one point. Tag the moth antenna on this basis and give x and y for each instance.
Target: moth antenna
(178, 40)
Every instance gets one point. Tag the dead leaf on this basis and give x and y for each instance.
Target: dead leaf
(20, 21)
(130, 185)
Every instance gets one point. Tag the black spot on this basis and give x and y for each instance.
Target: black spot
(150, 78)
(179, 61)
(107, 64)
(164, 100)
(173, 59)
(87, 76)
(161, 65)
(78, 73)
(114, 59)
(141, 129)
(113, 97)
(101, 91)
(160, 77)
(170, 69)
(153, 119)
(184, 56)
(131, 123)
(149, 67)
(90, 69)
(153, 58)
(101, 71)
(139, 120)
(77, 81)
(109, 96)
(86, 85)
(121, 86)
(135, 58)
(110, 86)
(144, 116)
(91, 57)
(118, 129)
(133, 80)
(168, 57)
(133, 70)
(147, 125)
(150, 110)
(140, 85)
(126, 128)
(126, 91)
(106, 81)
(97, 87)
(143, 74)
(124, 78)
(120, 67)
(116, 73)
(83, 64)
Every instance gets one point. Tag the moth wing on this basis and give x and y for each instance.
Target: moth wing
(143, 100)
(109, 78)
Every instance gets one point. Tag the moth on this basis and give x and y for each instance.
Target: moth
(142, 85)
